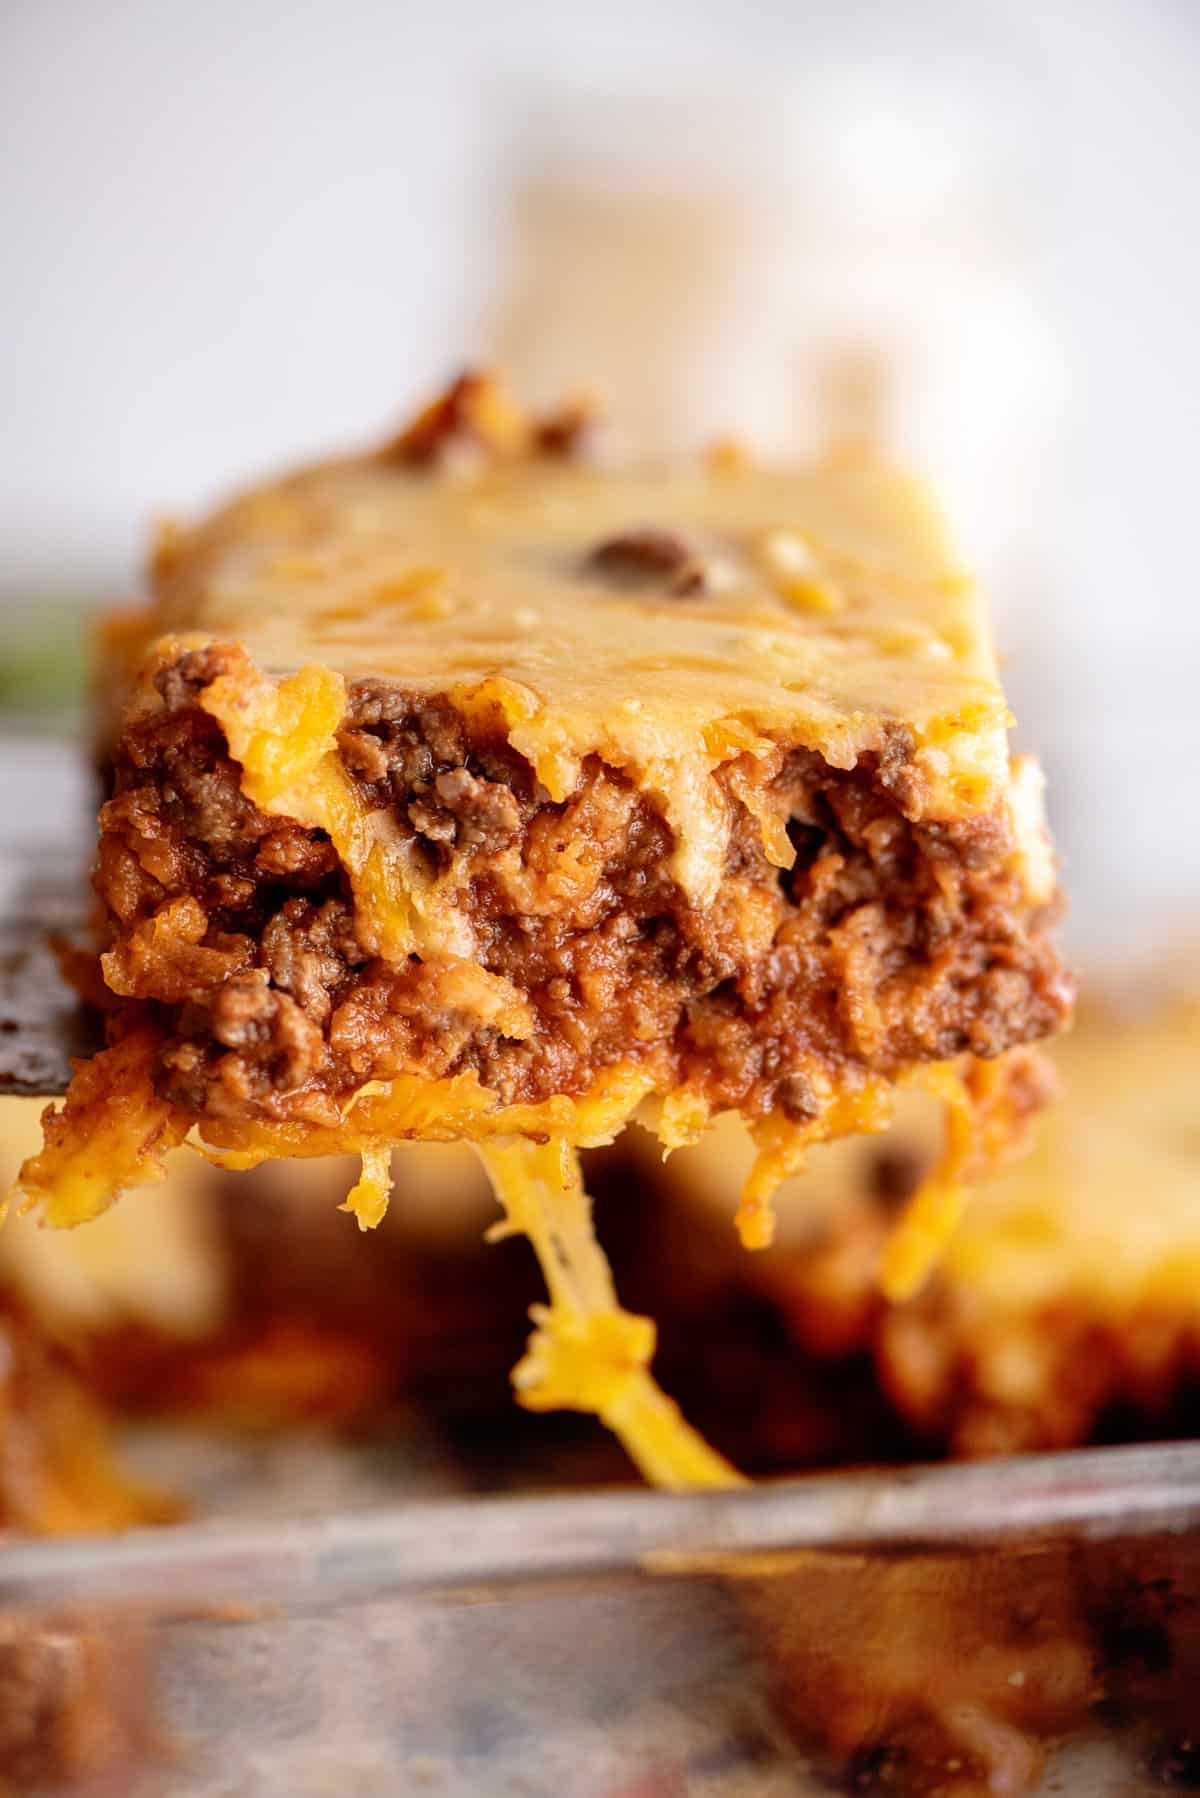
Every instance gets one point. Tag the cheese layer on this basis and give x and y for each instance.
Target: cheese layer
(741, 609)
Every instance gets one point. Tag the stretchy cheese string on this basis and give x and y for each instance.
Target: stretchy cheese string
(980, 1123)
(783, 1147)
(586, 1353)
(983, 1124)
(935, 1210)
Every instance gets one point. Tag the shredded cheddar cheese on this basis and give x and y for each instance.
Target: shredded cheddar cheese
(932, 1214)
(111, 1132)
(981, 1127)
(411, 1108)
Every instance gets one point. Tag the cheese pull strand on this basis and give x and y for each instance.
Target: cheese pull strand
(935, 1210)
(586, 1353)
(986, 1109)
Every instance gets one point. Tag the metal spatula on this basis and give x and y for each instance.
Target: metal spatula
(44, 890)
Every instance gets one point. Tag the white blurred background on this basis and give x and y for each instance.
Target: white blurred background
(234, 232)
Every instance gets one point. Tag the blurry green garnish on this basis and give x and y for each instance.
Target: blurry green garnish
(42, 665)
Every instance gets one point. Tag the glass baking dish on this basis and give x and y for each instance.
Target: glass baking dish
(630, 1644)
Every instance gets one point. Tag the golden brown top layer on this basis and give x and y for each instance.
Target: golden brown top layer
(666, 619)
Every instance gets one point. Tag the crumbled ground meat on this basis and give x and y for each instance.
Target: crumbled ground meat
(459, 808)
(887, 942)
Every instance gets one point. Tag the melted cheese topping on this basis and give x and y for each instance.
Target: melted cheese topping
(481, 588)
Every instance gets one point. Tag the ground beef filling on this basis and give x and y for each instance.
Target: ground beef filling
(887, 942)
